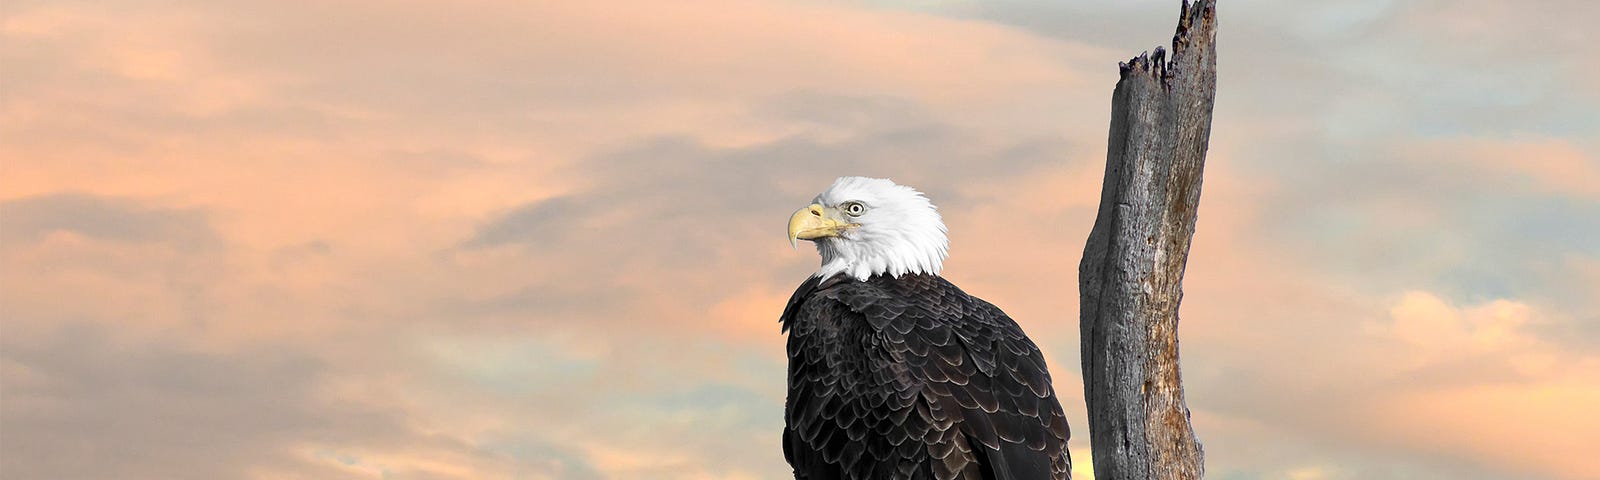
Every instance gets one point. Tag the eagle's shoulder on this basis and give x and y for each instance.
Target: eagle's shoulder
(799, 297)
(811, 290)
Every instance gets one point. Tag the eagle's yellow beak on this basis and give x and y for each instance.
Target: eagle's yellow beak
(815, 222)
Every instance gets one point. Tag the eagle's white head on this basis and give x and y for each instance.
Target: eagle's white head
(871, 226)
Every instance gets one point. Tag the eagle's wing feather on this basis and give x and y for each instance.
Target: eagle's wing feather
(913, 378)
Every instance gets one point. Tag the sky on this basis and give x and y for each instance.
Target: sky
(492, 239)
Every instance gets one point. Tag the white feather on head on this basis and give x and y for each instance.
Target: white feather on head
(899, 231)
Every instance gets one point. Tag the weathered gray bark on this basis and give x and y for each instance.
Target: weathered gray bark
(1130, 281)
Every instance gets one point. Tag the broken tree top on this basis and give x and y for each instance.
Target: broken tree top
(1197, 20)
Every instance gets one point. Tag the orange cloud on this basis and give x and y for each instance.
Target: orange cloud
(1482, 419)
(1551, 165)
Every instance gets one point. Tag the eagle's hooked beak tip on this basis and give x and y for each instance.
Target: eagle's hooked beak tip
(811, 223)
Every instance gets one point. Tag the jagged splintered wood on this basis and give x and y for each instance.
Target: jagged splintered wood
(1130, 281)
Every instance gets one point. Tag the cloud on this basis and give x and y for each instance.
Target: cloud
(1426, 385)
(532, 223)
(101, 218)
(1451, 215)
(89, 405)
(91, 401)
(1534, 383)
(1553, 166)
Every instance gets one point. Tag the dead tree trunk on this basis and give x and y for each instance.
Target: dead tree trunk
(1130, 281)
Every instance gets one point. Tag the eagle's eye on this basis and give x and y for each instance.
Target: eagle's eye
(855, 209)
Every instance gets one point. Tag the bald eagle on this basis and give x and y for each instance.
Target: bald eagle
(894, 373)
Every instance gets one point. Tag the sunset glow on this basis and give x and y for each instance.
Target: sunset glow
(543, 240)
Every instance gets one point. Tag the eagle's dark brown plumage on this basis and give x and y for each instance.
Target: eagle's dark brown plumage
(911, 378)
